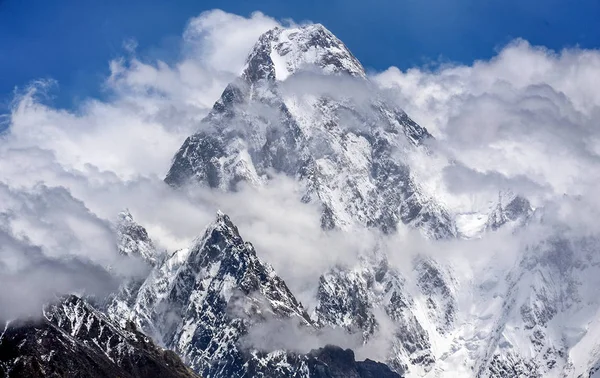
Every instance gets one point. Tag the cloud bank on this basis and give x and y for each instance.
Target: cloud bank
(527, 119)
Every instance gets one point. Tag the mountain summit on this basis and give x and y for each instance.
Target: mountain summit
(280, 53)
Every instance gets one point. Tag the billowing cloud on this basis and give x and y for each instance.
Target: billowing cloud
(109, 155)
(223, 40)
(528, 117)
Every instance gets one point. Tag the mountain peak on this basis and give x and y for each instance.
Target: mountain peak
(223, 220)
(281, 52)
(125, 216)
(201, 305)
(133, 239)
(223, 225)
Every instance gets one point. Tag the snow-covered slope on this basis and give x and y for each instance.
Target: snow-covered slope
(548, 324)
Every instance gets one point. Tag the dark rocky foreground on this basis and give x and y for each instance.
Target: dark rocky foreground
(73, 339)
(332, 362)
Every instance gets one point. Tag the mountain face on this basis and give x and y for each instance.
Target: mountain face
(548, 323)
(73, 339)
(331, 361)
(215, 295)
(348, 153)
(374, 298)
(344, 151)
(510, 211)
(132, 241)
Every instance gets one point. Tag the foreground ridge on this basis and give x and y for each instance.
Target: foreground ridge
(73, 339)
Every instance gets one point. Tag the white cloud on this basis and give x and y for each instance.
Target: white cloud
(223, 40)
(529, 115)
(108, 155)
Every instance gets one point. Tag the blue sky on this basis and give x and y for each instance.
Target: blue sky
(73, 40)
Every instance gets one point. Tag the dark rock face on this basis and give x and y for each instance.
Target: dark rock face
(517, 210)
(327, 362)
(511, 366)
(333, 362)
(197, 159)
(75, 340)
(341, 293)
(518, 207)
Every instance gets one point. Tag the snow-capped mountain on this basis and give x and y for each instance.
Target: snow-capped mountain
(347, 152)
(201, 302)
(216, 293)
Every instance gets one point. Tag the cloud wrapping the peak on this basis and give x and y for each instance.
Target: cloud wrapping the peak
(223, 40)
(112, 154)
